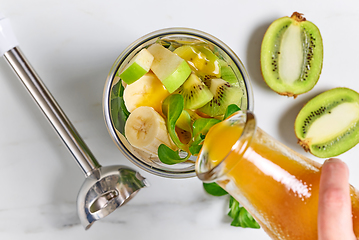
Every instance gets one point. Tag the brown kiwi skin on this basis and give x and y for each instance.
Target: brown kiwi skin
(299, 18)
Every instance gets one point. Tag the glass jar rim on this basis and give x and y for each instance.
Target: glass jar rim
(186, 173)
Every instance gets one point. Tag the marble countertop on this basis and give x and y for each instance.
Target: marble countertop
(72, 45)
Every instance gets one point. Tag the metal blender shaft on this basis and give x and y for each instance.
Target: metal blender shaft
(105, 188)
(52, 110)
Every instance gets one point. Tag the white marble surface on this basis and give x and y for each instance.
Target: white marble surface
(72, 45)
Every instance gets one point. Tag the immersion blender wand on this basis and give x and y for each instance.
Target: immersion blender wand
(105, 188)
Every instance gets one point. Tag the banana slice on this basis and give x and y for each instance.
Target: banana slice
(146, 129)
(146, 91)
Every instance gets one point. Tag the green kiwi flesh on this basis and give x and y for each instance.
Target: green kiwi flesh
(224, 94)
(291, 55)
(195, 93)
(328, 125)
(228, 74)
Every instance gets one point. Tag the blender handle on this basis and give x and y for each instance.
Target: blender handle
(52, 110)
(12, 53)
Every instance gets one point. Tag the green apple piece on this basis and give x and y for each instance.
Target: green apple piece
(139, 65)
(168, 67)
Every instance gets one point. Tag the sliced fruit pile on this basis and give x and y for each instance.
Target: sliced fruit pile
(166, 101)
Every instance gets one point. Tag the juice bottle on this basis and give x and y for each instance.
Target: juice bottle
(278, 186)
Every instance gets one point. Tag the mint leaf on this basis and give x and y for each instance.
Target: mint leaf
(196, 144)
(170, 157)
(195, 148)
(118, 110)
(241, 217)
(172, 108)
(200, 128)
(232, 108)
(214, 189)
(234, 207)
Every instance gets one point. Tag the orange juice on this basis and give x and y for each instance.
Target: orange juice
(278, 186)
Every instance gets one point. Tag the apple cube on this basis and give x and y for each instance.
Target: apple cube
(138, 66)
(169, 67)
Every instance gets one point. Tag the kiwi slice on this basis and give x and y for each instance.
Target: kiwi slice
(291, 55)
(195, 93)
(224, 94)
(228, 74)
(328, 125)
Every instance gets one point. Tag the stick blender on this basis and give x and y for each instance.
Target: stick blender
(105, 188)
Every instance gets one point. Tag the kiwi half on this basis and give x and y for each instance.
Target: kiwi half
(291, 55)
(328, 125)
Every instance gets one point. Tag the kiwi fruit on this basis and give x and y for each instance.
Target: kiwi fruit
(224, 94)
(291, 55)
(328, 124)
(195, 93)
(228, 74)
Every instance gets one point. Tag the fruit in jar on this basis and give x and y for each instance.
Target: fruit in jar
(224, 94)
(146, 129)
(328, 124)
(176, 102)
(291, 55)
(228, 74)
(168, 67)
(184, 121)
(146, 91)
(137, 67)
(195, 93)
(202, 60)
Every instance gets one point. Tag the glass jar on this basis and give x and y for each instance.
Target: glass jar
(141, 159)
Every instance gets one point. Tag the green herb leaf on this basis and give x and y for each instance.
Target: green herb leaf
(232, 108)
(118, 110)
(202, 125)
(228, 74)
(241, 217)
(172, 108)
(200, 128)
(195, 148)
(234, 207)
(196, 144)
(214, 189)
(170, 157)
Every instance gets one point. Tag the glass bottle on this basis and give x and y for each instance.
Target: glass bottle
(278, 186)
